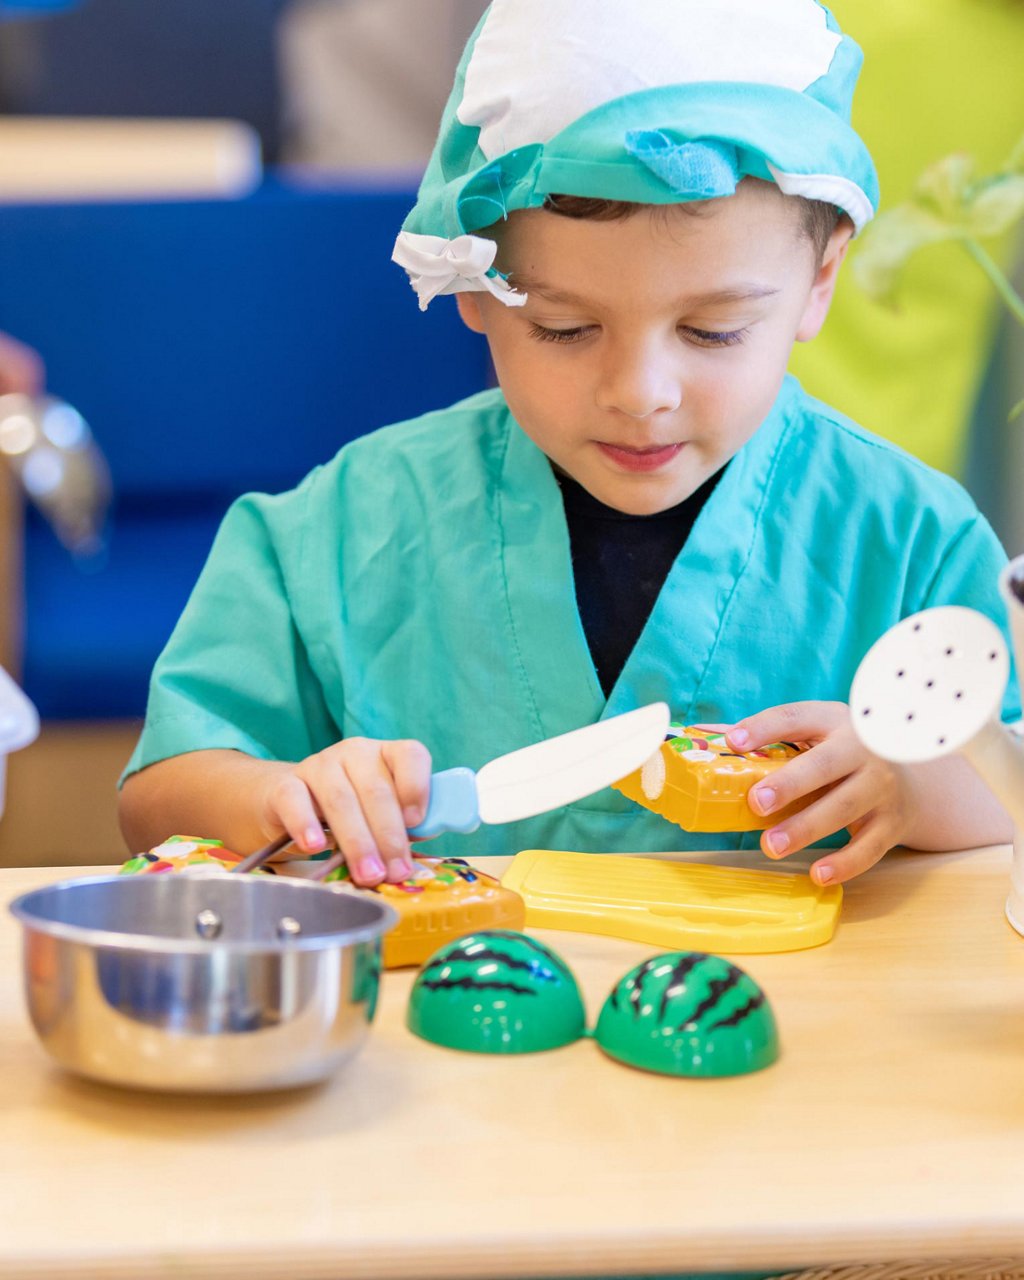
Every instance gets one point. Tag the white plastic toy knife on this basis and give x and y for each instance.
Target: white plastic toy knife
(546, 775)
(19, 721)
(19, 724)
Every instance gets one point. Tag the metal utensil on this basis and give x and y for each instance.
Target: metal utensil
(540, 777)
(227, 984)
(52, 452)
(258, 858)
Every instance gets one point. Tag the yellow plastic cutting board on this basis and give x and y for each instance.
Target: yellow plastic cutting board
(676, 905)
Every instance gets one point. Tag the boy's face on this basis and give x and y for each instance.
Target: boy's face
(652, 348)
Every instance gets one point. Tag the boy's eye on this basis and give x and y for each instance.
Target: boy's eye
(559, 335)
(702, 337)
(715, 337)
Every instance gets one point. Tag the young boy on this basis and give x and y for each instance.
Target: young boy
(646, 509)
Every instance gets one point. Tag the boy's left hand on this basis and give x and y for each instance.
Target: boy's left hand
(862, 793)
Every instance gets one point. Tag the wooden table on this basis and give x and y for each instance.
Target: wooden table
(892, 1127)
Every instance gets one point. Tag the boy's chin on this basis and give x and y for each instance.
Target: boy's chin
(641, 496)
(637, 495)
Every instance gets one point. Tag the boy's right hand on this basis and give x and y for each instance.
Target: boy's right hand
(367, 792)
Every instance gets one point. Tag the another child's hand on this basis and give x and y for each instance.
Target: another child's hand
(862, 793)
(365, 791)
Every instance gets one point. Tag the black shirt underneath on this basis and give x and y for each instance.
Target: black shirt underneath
(620, 563)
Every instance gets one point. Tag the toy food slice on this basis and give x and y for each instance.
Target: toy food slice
(697, 782)
(184, 853)
(442, 900)
(675, 905)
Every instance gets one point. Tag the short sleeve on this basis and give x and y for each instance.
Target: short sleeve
(968, 575)
(235, 673)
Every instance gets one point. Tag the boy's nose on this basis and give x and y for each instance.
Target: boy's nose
(639, 383)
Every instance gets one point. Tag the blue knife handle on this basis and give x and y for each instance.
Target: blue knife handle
(452, 807)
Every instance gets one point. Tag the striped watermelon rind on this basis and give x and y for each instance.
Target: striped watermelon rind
(685, 1013)
(496, 991)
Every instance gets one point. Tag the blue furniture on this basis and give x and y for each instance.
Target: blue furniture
(179, 58)
(214, 348)
(32, 8)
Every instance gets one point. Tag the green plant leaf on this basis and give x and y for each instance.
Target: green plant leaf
(948, 203)
(945, 186)
(996, 206)
(890, 242)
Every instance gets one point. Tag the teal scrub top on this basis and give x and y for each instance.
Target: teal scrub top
(420, 585)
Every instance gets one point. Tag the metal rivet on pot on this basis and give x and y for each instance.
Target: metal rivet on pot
(208, 924)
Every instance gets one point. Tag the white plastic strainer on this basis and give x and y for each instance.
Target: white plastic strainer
(930, 685)
(933, 685)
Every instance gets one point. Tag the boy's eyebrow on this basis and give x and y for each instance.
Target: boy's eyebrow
(739, 293)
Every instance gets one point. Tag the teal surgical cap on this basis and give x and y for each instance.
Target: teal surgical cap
(651, 101)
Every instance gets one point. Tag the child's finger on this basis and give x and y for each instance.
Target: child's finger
(789, 722)
(342, 808)
(827, 763)
(374, 787)
(409, 763)
(842, 804)
(291, 807)
(870, 846)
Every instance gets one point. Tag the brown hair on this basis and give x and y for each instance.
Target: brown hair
(819, 219)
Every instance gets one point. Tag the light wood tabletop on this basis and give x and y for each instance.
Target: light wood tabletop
(892, 1126)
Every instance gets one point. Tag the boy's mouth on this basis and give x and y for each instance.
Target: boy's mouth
(650, 458)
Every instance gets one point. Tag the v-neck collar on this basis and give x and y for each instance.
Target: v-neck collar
(692, 609)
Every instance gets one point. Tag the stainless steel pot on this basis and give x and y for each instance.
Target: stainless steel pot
(224, 983)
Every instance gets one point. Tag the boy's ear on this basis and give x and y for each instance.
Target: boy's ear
(469, 309)
(820, 298)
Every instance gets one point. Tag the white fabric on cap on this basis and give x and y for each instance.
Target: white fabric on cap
(439, 266)
(645, 44)
(829, 187)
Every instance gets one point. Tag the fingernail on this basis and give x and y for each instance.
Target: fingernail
(765, 798)
(371, 869)
(777, 842)
(401, 868)
(315, 838)
(738, 737)
(412, 816)
(824, 874)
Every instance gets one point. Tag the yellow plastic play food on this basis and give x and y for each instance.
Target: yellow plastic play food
(676, 905)
(697, 782)
(443, 899)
